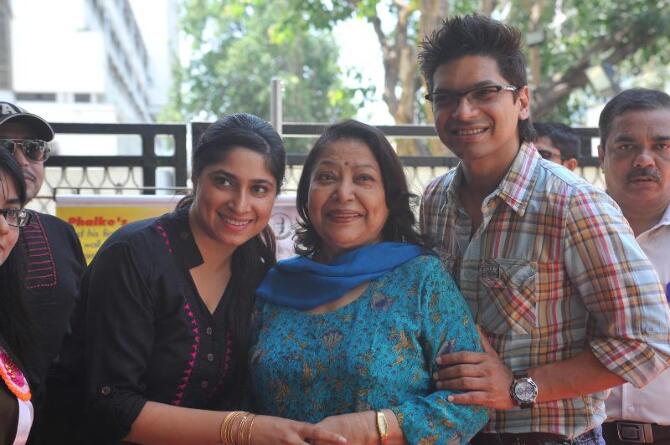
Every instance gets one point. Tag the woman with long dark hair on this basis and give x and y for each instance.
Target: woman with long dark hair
(169, 299)
(16, 412)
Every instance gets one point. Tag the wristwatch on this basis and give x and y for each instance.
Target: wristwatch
(523, 390)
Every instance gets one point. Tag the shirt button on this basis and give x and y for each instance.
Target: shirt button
(209, 330)
(184, 235)
(105, 390)
(204, 384)
(210, 357)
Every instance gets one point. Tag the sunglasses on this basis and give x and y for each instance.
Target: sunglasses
(34, 149)
(16, 217)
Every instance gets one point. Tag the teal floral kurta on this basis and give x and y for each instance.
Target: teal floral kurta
(377, 352)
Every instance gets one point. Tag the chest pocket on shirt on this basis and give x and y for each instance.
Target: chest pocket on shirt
(511, 285)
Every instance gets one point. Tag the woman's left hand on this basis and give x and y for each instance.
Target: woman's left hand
(358, 428)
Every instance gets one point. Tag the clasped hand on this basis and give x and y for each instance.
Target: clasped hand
(274, 430)
(483, 377)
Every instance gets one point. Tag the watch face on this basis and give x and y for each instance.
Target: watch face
(525, 390)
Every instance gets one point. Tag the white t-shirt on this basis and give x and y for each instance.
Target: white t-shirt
(650, 404)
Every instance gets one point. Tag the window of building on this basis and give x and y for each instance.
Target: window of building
(82, 97)
(36, 97)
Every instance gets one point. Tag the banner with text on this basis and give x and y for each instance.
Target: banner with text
(95, 217)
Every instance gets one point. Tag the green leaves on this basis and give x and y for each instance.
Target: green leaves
(238, 46)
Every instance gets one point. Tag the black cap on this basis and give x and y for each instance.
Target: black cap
(10, 112)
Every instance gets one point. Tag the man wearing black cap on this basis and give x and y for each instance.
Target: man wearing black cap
(55, 260)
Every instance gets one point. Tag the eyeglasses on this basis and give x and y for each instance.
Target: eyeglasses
(477, 96)
(546, 154)
(16, 217)
(34, 149)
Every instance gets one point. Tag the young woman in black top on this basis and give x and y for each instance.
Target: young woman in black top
(16, 412)
(169, 299)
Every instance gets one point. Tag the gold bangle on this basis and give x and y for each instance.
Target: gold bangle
(227, 427)
(231, 433)
(251, 424)
(240, 429)
(224, 422)
(382, 427)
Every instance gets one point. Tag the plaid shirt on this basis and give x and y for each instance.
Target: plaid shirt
(554, 269)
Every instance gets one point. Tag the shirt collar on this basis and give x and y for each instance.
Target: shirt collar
(181, 238)
(664, 221)
(516, 186)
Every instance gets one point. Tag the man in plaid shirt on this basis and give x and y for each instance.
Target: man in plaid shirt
(568, 304)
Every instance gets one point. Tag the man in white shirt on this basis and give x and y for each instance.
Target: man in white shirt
(635, 157)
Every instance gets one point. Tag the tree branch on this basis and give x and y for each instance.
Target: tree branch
(547, 98)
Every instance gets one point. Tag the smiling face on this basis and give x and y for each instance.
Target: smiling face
(233, 198)
(485, 131)
(9, 199)
(33, 171)
(636, 159)
(346, 201)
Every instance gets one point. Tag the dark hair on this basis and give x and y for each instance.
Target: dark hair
(635, 99)
(14, 321)
(400, 224)
(563, 137)
(477, 35)
(252, 259)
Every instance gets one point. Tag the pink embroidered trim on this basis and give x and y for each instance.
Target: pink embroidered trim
(163, 233)
(186, 375)
(226, 361)
(41, 270)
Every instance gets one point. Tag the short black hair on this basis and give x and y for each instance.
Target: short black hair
(635, 99)
(562, 136)
(477, 35)
(401, 223)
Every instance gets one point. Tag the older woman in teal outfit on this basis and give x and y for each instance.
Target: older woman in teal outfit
(348, 331)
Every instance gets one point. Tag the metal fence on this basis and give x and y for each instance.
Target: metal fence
(155, 158)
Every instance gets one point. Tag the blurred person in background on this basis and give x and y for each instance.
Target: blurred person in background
(558, 143)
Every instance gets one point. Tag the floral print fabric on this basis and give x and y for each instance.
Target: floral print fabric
(377, 352)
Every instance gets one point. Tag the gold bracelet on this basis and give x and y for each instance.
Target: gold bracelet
(251, 424)
(222, 426)
(382, 427)
(227, 427)
(240, 429)
(232, 431)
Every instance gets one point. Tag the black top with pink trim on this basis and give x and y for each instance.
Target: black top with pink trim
(149, 335)
(55, 263)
